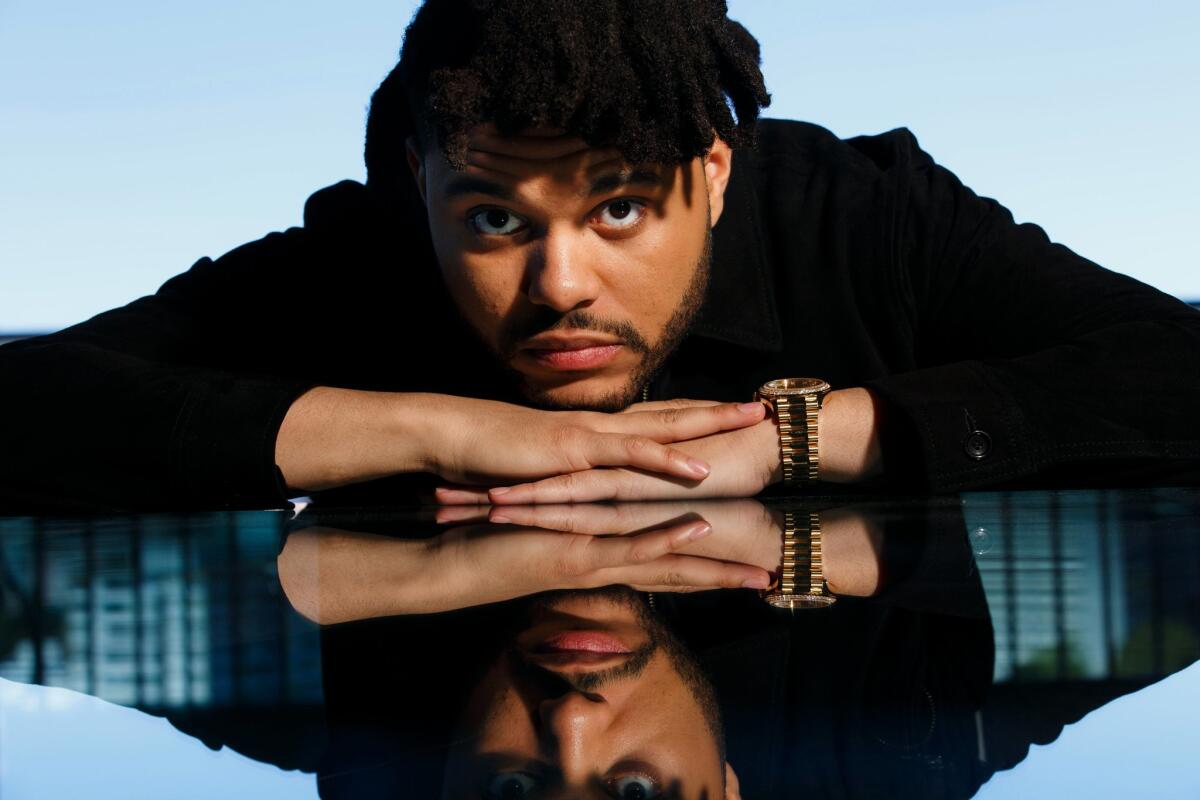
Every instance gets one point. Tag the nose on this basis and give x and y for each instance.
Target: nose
(573, 730)
(560, 271)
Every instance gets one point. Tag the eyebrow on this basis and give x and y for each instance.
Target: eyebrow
(461, 185)
(468, 184)
(617, 180)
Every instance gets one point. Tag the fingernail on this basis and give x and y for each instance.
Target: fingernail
(500, 519)
(698, 531)
(759, 582)
(697, 466)
(749, 408)
(501, 490)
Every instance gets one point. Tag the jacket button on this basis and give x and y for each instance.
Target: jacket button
(977, 445)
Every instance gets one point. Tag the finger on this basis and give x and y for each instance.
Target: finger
(674, 572)
(658, 405)
(457, 514)
(594, 518)
(460, 495)
(627, 450)
(642, 548)
(588, 486)
(680, 424)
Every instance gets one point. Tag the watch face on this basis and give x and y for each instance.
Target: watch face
(790, 386)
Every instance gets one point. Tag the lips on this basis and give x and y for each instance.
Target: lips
(583, 642)
(587, 357)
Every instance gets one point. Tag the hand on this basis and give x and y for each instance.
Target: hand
(743, 461)
(653, 552)
(485, 442)
(743, 531)
(333, 576)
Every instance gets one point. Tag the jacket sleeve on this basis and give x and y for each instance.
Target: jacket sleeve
(171, 401)
(1036, 366)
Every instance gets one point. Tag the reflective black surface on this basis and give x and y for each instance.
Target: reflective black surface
(401, 653)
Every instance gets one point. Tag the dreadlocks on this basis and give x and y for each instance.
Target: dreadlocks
(654, 78)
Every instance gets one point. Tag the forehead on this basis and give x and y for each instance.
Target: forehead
(546, 154)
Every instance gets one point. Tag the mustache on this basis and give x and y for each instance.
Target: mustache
(579, 319)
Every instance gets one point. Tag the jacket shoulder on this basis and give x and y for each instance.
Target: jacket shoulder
(796, 144)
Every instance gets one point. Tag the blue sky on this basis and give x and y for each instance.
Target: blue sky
(137, 136)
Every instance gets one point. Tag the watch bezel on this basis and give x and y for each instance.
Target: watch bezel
(794, 387)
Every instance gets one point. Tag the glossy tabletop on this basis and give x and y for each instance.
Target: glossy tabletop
(1012, 644)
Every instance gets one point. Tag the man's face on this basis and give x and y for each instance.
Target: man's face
(595, 699)
(578, 270)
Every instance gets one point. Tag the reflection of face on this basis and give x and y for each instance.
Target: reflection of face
(579, 271)
(595, 699)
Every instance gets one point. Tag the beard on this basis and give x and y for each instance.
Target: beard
(653, 356)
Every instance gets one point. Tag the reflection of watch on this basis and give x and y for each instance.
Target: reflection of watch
(801, 581)
(796, 402)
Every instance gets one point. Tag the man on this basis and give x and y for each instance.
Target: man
(571, 207)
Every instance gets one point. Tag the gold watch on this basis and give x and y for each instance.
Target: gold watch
(801, 581)
(796, 403)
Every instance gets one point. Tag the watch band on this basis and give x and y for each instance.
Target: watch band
(796, 403)
(801, 581)
(799, 438)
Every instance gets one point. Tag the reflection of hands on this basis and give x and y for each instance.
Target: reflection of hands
(743, 531)
(334, 576)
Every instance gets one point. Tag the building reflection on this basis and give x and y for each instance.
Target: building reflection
(160, 613)
(1088, 585)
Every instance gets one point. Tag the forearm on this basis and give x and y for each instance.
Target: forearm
(331, 576)
(333, 437)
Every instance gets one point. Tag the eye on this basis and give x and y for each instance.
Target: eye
(495, 222)
(511, 786)
(622, 213)
(634, 787)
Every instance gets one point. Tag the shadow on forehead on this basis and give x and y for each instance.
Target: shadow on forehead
(534, 144)
(606, 167)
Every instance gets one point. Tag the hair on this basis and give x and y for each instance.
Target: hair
(657, 79)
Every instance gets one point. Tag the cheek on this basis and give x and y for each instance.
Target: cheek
(483, 285)
(659, 267)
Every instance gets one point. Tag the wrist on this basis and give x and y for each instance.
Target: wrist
(848, 448)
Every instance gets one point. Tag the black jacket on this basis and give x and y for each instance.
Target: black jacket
(860, 261)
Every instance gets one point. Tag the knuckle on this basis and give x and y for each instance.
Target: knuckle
(673, 578)
(671, 416)
(641, 552)
(637, 444)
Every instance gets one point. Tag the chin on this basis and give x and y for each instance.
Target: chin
(587, 394)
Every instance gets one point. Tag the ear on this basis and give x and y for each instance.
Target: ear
(732, 790)
(717, 166)
(416, 163)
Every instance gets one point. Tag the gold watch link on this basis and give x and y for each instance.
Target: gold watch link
(801, 581)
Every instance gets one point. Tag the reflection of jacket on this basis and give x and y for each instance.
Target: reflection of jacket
(1000, 356)
(869, 699)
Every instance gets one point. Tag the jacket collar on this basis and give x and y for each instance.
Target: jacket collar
(740, 305)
